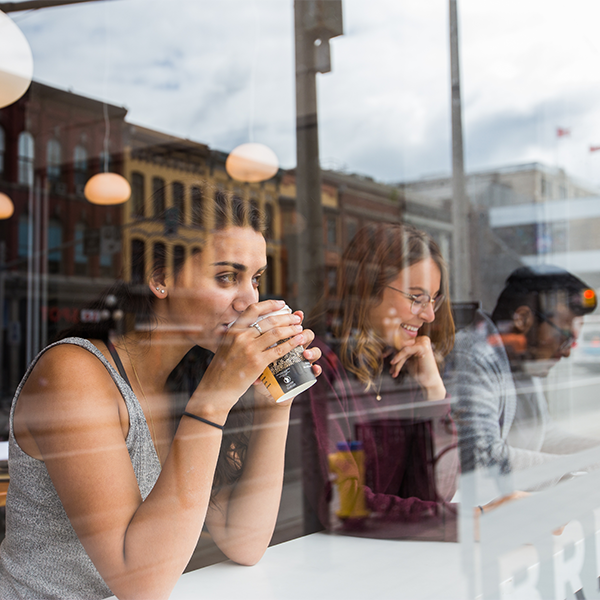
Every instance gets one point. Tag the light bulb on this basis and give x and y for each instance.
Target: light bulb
(107, 189)
(252, 163)
(16, 62)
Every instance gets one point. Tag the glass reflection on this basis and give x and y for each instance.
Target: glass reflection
(385, 439)
(113, 475)
(499, 362)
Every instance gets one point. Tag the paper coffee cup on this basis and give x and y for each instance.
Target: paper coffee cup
(289, 375)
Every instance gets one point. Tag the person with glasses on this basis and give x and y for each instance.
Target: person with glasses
(498, 364)
(385, 462)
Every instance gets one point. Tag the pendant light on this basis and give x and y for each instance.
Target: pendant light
(7, 208)
(16, 62)
(106, 188)
(252, 162)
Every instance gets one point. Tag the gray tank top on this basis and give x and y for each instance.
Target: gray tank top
(41, 555)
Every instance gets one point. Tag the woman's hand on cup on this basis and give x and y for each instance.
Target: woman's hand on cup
(246, 350)
(261, 394)
(310, 354)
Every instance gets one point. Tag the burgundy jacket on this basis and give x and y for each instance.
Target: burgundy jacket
(410, 451)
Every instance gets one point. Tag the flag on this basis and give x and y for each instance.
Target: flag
(560, 132)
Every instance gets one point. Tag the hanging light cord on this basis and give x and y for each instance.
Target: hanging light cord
(106, 143)
(106, 136)
(253, 71)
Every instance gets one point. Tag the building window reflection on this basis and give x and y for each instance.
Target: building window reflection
(159, 253)
(26, 158)
(158, 196)
(53, 160)
(55, 241)
(331, 231)
(80, 167)
(137, 195)
(331, 281)
(178, 257)
(2, 151)
(23, 236)
(106, 265)
(269, 233)
(351, 229)
(178, 194)
(108, 236)
(81, 260)
(138, 261)
(197, 207)
(221, 198)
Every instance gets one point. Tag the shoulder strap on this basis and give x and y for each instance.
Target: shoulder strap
(117, 359)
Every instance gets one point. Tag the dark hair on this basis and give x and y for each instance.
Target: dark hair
(541, 288)
(374, 257)
(129, 305)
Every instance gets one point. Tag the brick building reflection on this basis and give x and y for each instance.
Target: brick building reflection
(60, 251)
(52, 143)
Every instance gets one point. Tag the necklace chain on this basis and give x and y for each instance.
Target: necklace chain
(155, 439)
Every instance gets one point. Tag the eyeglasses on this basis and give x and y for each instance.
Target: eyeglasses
(420, 302)
(568, 336)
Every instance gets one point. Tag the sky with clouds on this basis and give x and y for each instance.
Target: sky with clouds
(221, 72)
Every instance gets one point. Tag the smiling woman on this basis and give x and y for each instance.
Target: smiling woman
(391, 454)
(110, 487)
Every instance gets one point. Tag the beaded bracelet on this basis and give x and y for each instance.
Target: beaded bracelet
(187, 414)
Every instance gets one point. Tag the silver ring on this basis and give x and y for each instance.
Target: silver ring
(257, 327)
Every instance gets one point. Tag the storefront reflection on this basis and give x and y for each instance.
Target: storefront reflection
(375, 455)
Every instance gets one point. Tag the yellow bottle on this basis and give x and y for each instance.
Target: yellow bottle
(348, 466)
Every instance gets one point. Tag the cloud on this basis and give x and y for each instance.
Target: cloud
(222, 72)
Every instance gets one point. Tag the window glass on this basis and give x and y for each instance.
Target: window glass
(138, 261)
(137, 195)
(158, 196)
(437, 227)
(331, 231)
(106, 264)
(351, 229)
(55, 240)
(178, 198)
(178, 258)
(197, 206)
(2, 150)
(23, 236)
(159, 253)
(26, 157)
(80, 167)
(53, 160)
(269, 221)
(81, 259)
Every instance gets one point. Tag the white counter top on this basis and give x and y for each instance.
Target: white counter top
(330, 567)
